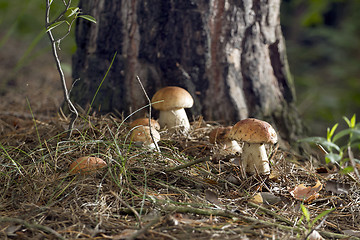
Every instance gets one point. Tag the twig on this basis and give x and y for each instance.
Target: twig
(162, 234)
(181, 208)
(199, 160)
(267, 211)
(72, 108)
(133, 210)
(144, 229)
(147, 97)
(67, 6)
(228, 214)
(31, 225)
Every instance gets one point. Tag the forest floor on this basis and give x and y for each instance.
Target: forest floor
(140, 195)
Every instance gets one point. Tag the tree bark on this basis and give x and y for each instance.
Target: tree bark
(230, 56)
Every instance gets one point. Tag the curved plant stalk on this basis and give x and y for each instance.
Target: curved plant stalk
(72, 108)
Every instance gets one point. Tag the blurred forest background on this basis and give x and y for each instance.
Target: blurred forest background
(323, 47)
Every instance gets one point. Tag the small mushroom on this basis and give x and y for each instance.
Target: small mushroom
(86, 165)
(254, 133)
(219, 136)
(142, 135)
(145, 122)
(171, 101)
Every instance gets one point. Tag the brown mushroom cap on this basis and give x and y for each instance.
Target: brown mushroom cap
(142, 134)
(219, 134)
(172, 98)
(252, 130)
(86, 165)
(145, 122)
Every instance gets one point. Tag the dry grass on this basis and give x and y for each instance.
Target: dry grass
(140, 196)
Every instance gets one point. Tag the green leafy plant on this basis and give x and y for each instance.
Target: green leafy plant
(311, 223)
(307, 216)
(336, 146)
(68, 16)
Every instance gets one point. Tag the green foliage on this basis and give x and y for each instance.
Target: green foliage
(89, 18)
(69, 17)
(306, 214)
(337, 144)
(322, 45)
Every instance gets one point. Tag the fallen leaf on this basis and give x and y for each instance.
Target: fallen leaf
(12, 229)
(269, 198)
(233, 179)
(265, 197)
(257, 198)
(212, 197)
(306, 194)
(336, 187)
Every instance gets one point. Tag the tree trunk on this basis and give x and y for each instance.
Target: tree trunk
(230, 56)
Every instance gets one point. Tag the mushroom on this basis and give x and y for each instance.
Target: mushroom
(219, 136)
(142, 135)
(171, 101)
(145, 122)
(86, 165)
(254, 133)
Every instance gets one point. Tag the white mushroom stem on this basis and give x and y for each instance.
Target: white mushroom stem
(254, 158)
(174, 119)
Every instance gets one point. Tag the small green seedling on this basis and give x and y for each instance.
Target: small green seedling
(335, 151)
(68, 16)
(310, 224)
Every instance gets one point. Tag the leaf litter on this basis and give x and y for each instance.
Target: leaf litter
(188, 190)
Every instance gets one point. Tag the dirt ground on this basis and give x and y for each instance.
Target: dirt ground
(37, 80)
(143, 194)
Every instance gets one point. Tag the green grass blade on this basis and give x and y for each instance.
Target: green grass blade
(12, 160)
(321, 215)
(305, 212)
(102, 81)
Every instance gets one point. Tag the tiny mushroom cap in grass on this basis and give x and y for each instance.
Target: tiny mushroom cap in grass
(171, 101)
(86, 165)
(219, 136)
(254, 133)
(145, 122)
(142, 134)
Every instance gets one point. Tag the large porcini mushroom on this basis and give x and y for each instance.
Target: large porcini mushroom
(142, 135)
(254, 133)
(145, 122)
(86, 165)
(171, 101)
(219, 136)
